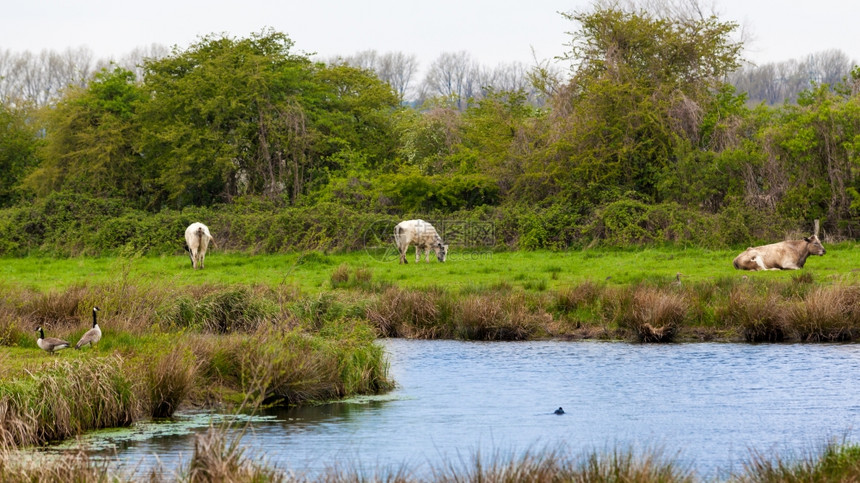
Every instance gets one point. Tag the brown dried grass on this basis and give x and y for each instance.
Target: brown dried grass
(827, 314)
(761, 317)
(652, 314)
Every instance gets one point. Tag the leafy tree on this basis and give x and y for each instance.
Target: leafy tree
(90, 140)
(816, 146)
(18, 145)
(357, 115)
(230, 117)
(224, 119)
(639, 86)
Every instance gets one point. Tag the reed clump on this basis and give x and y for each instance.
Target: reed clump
(827, 314)
(79, 467)
(340, 276)
(835, 462)
(761, 317)
(65, 399)
(650, 313)
(295, 367)
(54, 309)
(235, 309)
(219, 458)
(345, 277)
(492, 317)
(570, 299)
(409, 313)
(169, 379)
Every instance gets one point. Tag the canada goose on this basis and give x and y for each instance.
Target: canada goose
(93, 335)
(677, 281)
(51, 344)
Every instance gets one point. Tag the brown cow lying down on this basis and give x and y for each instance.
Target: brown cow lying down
(787, 255)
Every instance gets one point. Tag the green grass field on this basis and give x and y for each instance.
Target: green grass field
(311, 271)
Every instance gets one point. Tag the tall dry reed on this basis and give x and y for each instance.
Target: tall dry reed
(827, 314)
(67, 398)
(410, 313)
(652, 314)
(497, 317)
(169, 379)
(217, 458)
(761, 317)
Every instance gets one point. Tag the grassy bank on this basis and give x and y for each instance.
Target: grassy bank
(165, 347)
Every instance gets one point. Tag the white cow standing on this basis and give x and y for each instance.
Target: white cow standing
(423, 236)
(197, 238)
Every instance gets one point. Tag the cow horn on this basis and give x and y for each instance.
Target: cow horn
(816, 227)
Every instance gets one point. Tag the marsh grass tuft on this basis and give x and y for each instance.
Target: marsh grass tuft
(761, 317)
(169, 379)
(570, 299)
(344, 277)
(827, 314)
(71, 467)
(236, 309)
(65, 399)
(411, 313)
(552, 466)
(217, 457)
(835, 462)
(340, 276)
(295, 368)
(652, 314)
(488, 317)
(54, 309)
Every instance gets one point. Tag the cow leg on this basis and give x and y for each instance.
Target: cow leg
(417, 253)
(402, 254)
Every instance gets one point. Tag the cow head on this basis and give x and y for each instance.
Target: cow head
(814, 244)
(441, 251)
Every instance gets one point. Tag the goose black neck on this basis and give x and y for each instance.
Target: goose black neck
(41, 333)
(95, 309)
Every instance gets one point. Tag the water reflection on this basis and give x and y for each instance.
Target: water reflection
(711, 403)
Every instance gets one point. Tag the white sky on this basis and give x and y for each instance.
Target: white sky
(491, 31)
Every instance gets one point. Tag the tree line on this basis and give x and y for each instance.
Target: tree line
(643, 138)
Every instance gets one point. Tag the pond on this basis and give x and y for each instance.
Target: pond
(707, 405)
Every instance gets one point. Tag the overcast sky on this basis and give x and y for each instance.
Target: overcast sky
(491, 31)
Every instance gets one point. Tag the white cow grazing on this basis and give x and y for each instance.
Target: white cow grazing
(423, 236)
(197, 238)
